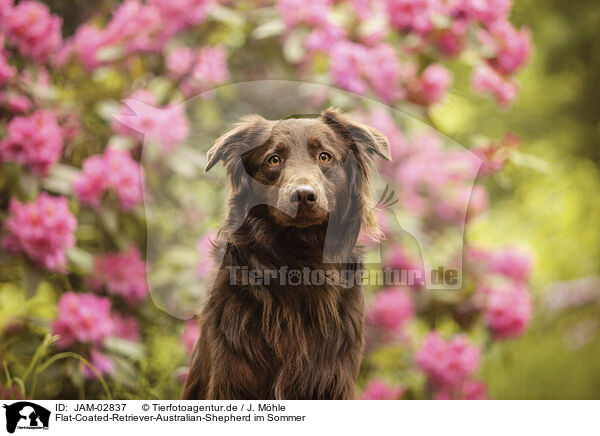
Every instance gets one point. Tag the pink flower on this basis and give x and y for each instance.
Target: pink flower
(485, 11)
(177, 15)
(511, 263)
(167, 126)
(487, 81)
(447, 363)
(452, 40)
(180, 61)
(101, 363)
(391, 309)
(126, 327)
(116, 170)
(32, 29)
(123, 274)
(507, 310)
(473, 390)
(87, 41)
(432, 85)
(19, 104)
(346, 60)
(204, 247)
(415, 15)
(190, 335)
(383, 72)
(43, 230)
(324, 37)
(312, 13)
(7, 71)
(512, 48)
(379, 390)
(124, 176)
(35, 141)
(209, 70)
(92, 182)
(83, 318)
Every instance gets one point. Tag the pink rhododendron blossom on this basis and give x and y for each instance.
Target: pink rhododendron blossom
(484, 11)
(177, 15)
(209, 70)
(511, 263)
(447, 363)
(346, 62)
(190, 335)
(452, 40)
(432, 85)
(180, 61)
(35, 141)
(473, 390)
(324, 37)
(89, 186)
(31, 27)
(43, 230)
(86, 43)
(83, 318)
(124, 177)
(7, 71)
(19, 104)
(139, 117)
(415, 15)
(115, 170)
(134, 27)
(356, 68)
(507, 309)
(126, 327)
(204, 247)
(312, 13)
(391, 309)
(122, 274)
(382, 70)
(495, 154)
(511, 47)
(379, 390)
(101, 363)
(487, 81)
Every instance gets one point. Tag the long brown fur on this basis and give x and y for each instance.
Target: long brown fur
(286, 342)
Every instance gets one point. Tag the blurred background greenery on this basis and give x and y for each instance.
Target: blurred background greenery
(554, 207)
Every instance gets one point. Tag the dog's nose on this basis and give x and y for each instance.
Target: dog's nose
(303, 194)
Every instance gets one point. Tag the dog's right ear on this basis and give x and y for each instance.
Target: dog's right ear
(250, 132)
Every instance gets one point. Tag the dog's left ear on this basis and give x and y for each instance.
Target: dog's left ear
(369, 141)
(251, 131)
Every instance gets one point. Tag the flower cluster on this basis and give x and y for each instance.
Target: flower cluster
(115, 170)
(198, 70)
(502, 293)
(31, 27)
(391, 309)
(362, 60)
(83, 318)
(447, 364)
(379, 390)
(86, 320)
(43, 230)
(167, 126)
(122, 274)
(436, 183)
(35, 141)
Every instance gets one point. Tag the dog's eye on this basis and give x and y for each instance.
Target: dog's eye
(274, 160)
(324, 157)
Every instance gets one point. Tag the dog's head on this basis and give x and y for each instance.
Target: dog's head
(309, 170)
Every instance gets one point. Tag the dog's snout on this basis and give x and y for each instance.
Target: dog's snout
(303, 195)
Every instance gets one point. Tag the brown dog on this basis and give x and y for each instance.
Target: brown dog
(300, 196)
